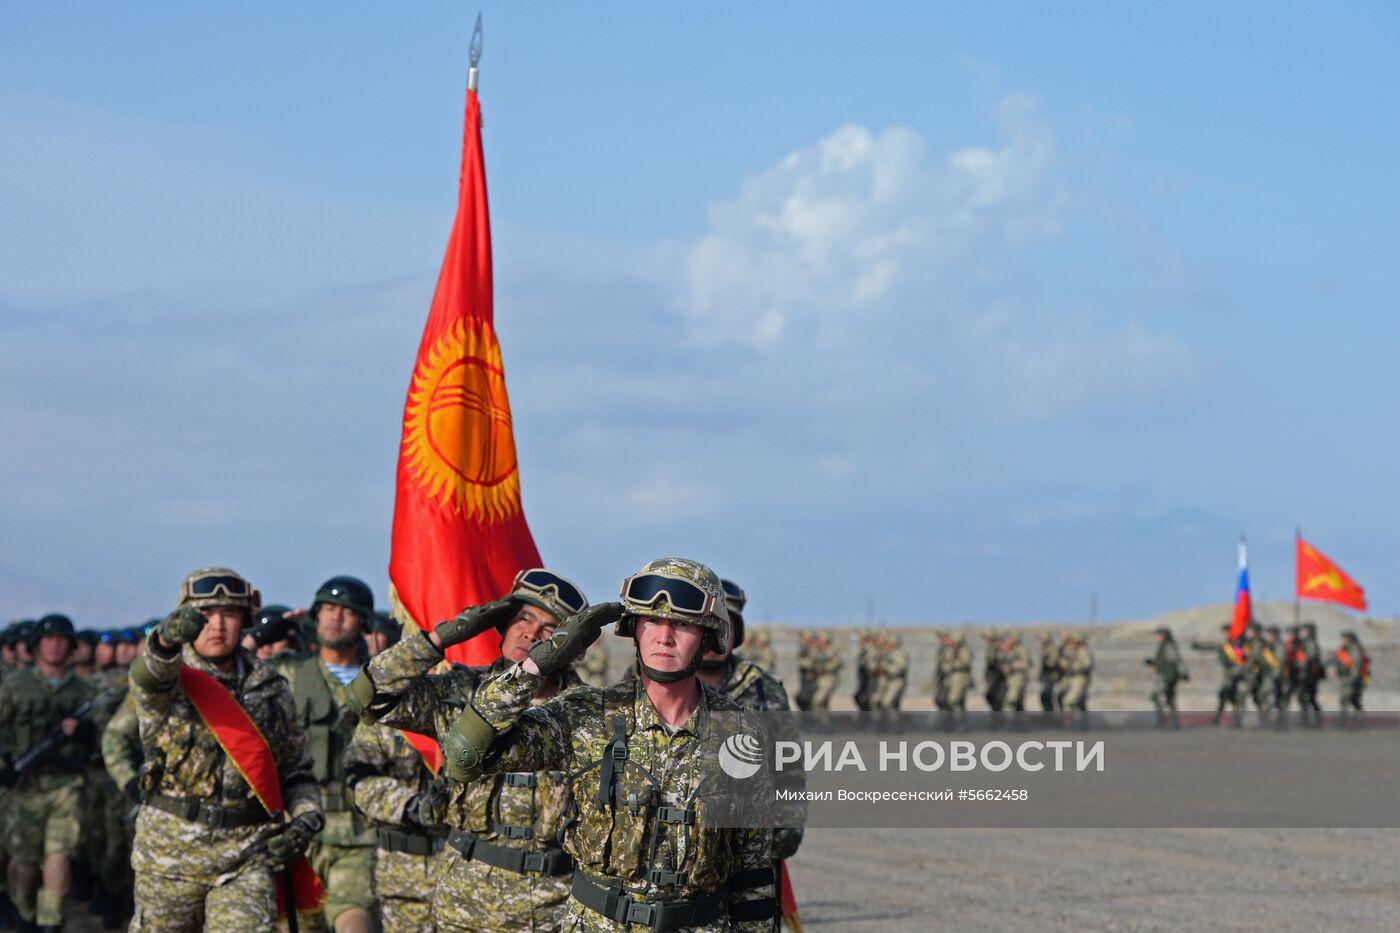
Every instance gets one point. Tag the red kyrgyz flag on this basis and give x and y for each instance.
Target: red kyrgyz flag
(459, 529)
(1319, 578)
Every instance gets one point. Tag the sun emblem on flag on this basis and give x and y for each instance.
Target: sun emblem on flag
(457, 439)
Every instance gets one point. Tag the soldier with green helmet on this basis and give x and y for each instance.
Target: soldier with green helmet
(343, 852)
(44, 831)
(892, 676)
(1353, 668)
(206, 844)
(1311, 672)
(644, 755)
(1077, 663)
(1170, 670)
(502, 868)
(275, 637)
(1016, 669)
(953, 677)
(384, 632)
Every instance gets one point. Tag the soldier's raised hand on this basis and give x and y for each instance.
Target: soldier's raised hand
(182, 626)
(474, 620)
(573, 637)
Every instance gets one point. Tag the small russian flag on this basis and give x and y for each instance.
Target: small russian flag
(1240, 622)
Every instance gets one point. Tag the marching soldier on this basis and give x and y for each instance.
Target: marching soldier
(343, 852)
(758, 648)
(866, 662)
(893, 675)
(1049, 671)
(592, 668)
(826, 666)
(1016, 669)
(1170, 671)
(1310, 673)
(953, 678)
(208, 841)
(1232, 661)
(44, 827)
(644, 756)
(1353, 666)
(503, 869)
(1077, 662)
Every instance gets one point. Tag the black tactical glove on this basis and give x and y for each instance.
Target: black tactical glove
(573, 637)
(182, 626)
(474, 620)
(293, 840)
(429, 808)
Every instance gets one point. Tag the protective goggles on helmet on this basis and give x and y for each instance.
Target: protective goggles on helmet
(217, 584)
(546, 583)
(733, 593)
(684, 597)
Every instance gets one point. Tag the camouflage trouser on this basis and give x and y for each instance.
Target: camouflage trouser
(951, 692)
(1075, 693)
(472, 896)
(404, 884)
(888, 693)
(348, 874)
(824, 688)
(1350, 698)
(43, 820)
(114, 865)
(1049, 689)
(246, 902)
(1230, 694)
(1164, 697)
(1015, 692)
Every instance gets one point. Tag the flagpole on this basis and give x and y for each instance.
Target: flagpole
(475, 54)
(1297, 603)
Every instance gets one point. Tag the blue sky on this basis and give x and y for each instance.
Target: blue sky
(971, 311)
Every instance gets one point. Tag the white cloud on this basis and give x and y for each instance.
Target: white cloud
(859, 220)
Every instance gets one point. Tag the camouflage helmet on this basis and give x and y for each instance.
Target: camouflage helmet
(219, 586)
(645, 594)
(52, 624)
(544, 589)
(350, 592)
(734, 600)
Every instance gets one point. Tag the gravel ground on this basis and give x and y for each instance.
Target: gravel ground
(1105, 879)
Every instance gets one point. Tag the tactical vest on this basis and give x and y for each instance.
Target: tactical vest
(329, 727)
(39, 709)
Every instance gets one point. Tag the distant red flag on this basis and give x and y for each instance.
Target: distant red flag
(1320, 579)
(459, 528)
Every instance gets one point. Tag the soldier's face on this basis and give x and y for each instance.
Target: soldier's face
(530, 625)
(376, 642)
(103, 655)
(83, 653)
(666, 644)
(273, 649)
(22, 653)
(126, 653)
(54, 649)
(7, 652)
(337, 625)
(223, 629)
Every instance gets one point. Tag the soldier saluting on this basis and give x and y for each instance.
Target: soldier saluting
(643, 754)
(207, 840)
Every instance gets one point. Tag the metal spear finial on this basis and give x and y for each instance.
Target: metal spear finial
(475, 54)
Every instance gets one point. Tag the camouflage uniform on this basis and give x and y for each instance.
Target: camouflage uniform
(954, 675)
(592, 668)
(993, 673)
(651, 854)
(1353, 673)
(1167, 665)
(45, 806)
(190, 876)
(385, 774)
(343, 853)
(1231, 677)
(866, 657)
(825, 664)
(1016, 667)
(505, 816)
(894, 672)
(1077, 662)
(758, 648)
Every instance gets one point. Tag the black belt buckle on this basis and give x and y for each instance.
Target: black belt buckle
(677, 815)
(663, 878)
(534, 862)
(638, 912)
